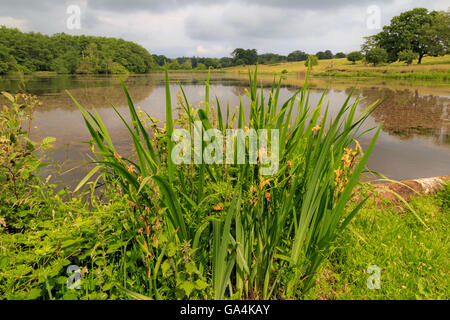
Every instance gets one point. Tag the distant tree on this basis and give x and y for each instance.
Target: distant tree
(328, 54)
(187, 64)
(249, 56)
(65, 53)
(268, 58)
(407, 56)
(438, 34)
(354, 56)
(7, 62)
(226, 62)
(297, 56)
(322, 55)
(194, 62)
(416, 30)
(311, 61)
(340, 55)
(376, 56)
(210, 62)
(201, 66)
(239, 62)
(160, 59)
(173, 65)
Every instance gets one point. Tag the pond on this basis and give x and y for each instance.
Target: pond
(414, 142)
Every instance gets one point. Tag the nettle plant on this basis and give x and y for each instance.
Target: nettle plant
(239, 234)
(18, 160)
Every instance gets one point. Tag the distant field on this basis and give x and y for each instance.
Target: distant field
(437, 68)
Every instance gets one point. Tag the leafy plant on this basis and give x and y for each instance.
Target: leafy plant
(407, 56)
(376, 56)
(311, 61)
(276, 230)
(18, 160)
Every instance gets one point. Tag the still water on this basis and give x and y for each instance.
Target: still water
(414, 143)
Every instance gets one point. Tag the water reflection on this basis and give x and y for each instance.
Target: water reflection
(407, 113)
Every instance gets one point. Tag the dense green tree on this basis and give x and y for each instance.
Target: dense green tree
(245, 56)
(268, 58)
(376, 56)
(173, 65)
(201, 66)
(160, 59)
(327, 54)
(438, 33)
(416, 30)
(407, 56)
(297, 56)
(64, 53)
(187, 64)
(354, 56)
(340, 55)
(7, 62)
(226, 62)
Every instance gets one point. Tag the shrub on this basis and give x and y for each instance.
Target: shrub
(407, 56)
(18, 161)
(376, 56)
(354, 56)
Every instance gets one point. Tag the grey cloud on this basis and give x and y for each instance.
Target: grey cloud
(164, 5)
(268, 25)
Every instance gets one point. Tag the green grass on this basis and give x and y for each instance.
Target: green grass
(413, 259)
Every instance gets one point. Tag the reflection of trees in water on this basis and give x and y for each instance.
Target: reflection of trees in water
(407, 113)
(96, 96)
(238, 91)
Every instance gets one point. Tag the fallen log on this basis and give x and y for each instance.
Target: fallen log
(407, 189)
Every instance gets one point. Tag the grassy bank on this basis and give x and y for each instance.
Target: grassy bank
(431, 68)
(413, 258)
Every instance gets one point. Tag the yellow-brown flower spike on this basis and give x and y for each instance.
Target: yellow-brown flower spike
(316, 129)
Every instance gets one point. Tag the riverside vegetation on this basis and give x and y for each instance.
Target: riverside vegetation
(144, 228)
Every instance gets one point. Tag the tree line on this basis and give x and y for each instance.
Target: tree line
(239, 57)
(63, 53)
(67, 54)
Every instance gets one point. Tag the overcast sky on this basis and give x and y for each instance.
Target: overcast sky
(215, 27)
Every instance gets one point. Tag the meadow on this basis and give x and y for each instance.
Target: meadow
(431, 68)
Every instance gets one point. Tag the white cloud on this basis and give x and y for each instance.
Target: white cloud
(216, 50)
(11, 22)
